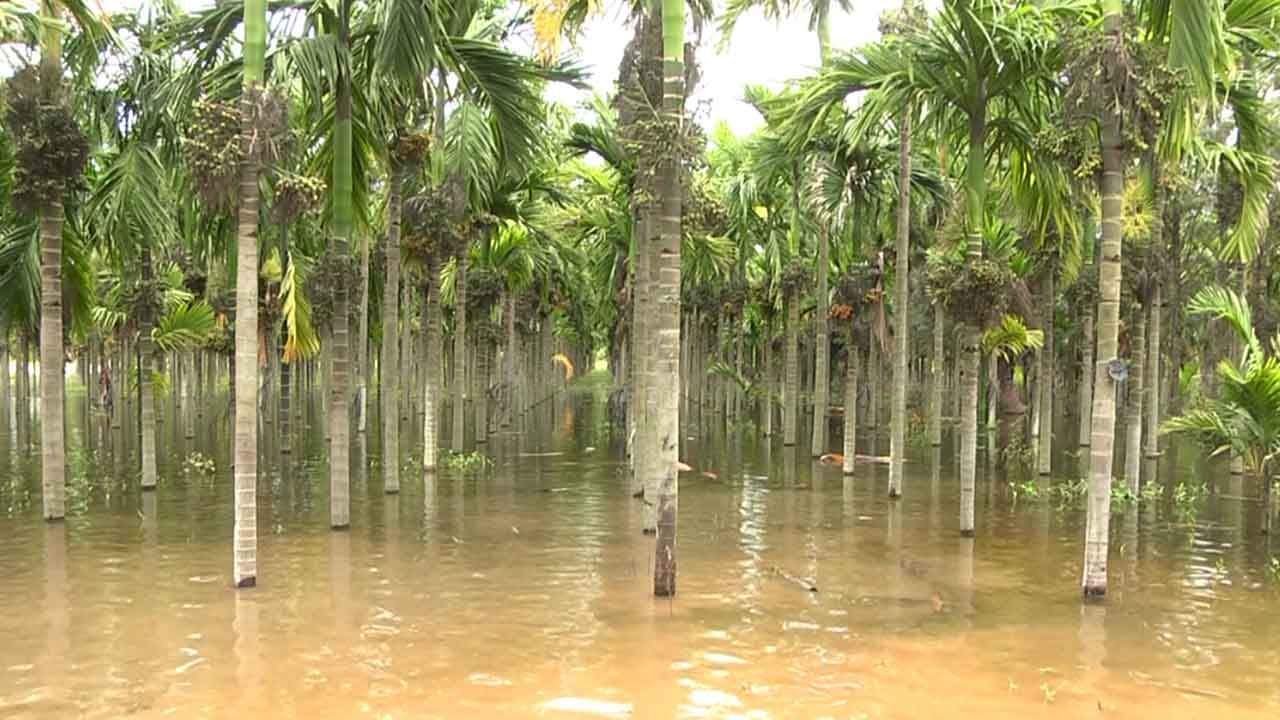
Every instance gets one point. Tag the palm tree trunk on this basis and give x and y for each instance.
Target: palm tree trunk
(766, 377)
(1134, 395)
(874, 362)
(968, 429)
(822, 348)
(902, 327)
(791, 381)
(1045, 382)
(245, 544)
(459, 354)
(364, 368)
(52, 432)
(431, 391)
(483, 353)
(389, 383)
(1098, 520)
(4, 376)
(667, 315)
(850, 405)
(1153, 379)
(937, 376)
(146, 366)
(1086, 377)
(343, 222)
(975, 198)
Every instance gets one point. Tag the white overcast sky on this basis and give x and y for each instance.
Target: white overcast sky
(761, 52)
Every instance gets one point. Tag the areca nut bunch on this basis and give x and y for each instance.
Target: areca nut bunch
(1072, 148)
(51, 151)
(331, 272)
(295, 196)
(733, 297)
(1124, 75)
(211, 148)
(430, 232)
(268, 123)
(855, 290)
(409, 150)
(483, 288)
(144, 299)
(975, 291)
(794, 277)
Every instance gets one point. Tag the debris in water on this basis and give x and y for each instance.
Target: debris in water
(710, 475)
(722, 659)
(802, 582)
(683, 467)
(587, 706)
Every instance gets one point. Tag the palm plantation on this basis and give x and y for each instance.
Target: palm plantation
(433, 276)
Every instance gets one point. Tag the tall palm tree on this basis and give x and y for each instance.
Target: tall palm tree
(667, 315)
(245, 544)
(819, 22)
(46, 90)
(981, 56)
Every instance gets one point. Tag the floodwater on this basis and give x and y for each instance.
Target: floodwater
(523, 591)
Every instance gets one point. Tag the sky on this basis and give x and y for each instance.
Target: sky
(761, 52)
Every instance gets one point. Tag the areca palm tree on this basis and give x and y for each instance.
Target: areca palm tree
(1245, 419)
(819, 22)
(46, 95)
(245, 545)
(975, 59)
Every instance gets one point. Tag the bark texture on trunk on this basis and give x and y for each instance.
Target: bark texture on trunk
(667, 307)
(902, 328)
(389, 385)
(1153, 378)
(1087, 371)
(459, 353)
(245, 571)
(968, 429)
(1134, 396)
(431, 389)
(822, 349)
(850, 407)
(52, 379)
(146, 395)
(1098, 520)
(1048, 372)
(937, 376)
(791, 381)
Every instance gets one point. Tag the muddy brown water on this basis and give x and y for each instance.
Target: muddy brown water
(523, 591)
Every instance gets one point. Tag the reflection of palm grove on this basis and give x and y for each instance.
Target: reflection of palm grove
(1000, 215)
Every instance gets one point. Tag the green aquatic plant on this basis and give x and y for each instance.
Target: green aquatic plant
(474, 460)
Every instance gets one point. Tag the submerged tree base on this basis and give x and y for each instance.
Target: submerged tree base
(968, 533)
(247, 583)
(1095, 594)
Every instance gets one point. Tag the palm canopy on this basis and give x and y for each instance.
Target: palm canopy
(1244, 419)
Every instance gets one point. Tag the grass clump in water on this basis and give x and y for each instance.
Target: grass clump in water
(474, 460)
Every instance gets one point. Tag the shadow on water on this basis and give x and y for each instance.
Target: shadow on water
(523, 589)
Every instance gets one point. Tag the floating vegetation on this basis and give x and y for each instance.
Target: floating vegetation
(465, 461)
(199, 464)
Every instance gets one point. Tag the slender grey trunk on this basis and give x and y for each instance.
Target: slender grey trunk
(1048, 370)
(937, 376)
(822, 347)
(459, 352)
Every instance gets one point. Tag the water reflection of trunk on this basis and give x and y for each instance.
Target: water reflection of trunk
(1130, 540)
(964, 578)
(248, 651)
(56, 609)
(340, 580)
(150, 521)
(935, 487)
(1093, 642)
(896, 560)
